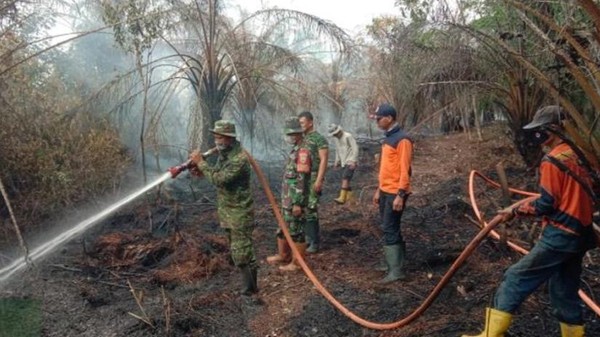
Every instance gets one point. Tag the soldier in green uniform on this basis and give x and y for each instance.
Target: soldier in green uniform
(319, 149)
(231, 174)
(294, 196)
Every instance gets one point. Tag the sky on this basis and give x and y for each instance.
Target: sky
(349, 15)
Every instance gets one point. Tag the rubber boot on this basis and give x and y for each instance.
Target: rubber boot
(342, 198)
(294, 265)
(569, 330)
(496, 323)
(350, 198)
(311, 230)
(284, 254)
(249, 281)
(394, 256)
(382, 265)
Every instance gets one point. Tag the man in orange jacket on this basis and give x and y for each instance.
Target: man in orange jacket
(566, 205)
(393, 190)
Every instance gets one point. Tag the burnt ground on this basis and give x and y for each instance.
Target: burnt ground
(163, 269)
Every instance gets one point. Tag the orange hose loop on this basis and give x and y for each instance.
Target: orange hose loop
(355, 318)
(531, 196)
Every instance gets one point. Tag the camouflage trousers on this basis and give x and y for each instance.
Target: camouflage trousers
(312, 211)
(295, 225)
(241, 246)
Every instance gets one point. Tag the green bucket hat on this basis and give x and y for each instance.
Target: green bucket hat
(224, 128)
(292, 125)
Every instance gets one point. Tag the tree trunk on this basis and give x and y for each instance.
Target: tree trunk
(138, 63)
(477, 123)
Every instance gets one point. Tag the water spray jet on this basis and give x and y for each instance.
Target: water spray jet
(48, 246)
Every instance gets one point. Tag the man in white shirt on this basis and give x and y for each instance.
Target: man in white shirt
(346, 156)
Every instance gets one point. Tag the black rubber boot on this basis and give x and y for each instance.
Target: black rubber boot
(249, 281)
(394, 255)
(255, 279)
(311, 229)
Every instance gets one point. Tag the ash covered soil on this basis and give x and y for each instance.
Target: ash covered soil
(162, 268)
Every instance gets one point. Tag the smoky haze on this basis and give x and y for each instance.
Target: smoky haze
(106, 73)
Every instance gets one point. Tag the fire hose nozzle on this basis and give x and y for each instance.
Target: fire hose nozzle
(190, 165)
(209, 152)
(176, 170)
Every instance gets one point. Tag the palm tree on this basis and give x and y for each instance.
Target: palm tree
(219, 71)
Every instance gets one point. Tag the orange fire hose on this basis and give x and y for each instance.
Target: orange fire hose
(586, 299)
(368, 324)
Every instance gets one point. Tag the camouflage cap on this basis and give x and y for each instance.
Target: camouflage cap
(548, 115)
(292, 125)
(224, 128)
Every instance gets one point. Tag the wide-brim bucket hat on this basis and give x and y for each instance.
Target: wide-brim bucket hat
(224, 128)
(292, 125)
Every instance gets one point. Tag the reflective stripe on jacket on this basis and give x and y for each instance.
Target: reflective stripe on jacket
(564, 204)
(396, 160)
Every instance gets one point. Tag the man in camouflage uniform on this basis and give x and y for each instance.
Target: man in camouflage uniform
(231, 174)
(294, 196)
(319, 149)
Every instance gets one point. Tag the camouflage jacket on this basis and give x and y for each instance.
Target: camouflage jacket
(315, 142)
(231, 176)
(296, 178)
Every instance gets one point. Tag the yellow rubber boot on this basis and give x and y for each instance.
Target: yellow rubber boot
(496, 323)
(342, 198)
(284, 254)
(350, 198)
(294, 265)
(569, 330)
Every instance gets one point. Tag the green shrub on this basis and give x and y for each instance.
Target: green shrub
(20, 317)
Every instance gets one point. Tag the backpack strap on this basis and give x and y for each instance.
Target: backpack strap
(564, 168)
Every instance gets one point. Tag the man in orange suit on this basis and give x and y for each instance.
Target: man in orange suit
(566, 204)
(393, 190)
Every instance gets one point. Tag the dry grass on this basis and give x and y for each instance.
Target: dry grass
(48, 164)
(54, 153)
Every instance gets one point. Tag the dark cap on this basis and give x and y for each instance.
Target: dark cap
(548, 115)
(384, 110)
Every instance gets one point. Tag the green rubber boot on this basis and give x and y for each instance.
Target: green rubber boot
(394, 256)
(382, 265)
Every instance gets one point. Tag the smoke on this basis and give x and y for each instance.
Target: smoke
(107, 76)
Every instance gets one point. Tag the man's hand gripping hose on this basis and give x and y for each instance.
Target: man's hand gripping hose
(191, 164)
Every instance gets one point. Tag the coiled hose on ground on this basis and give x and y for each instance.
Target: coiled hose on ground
(487, 229)
(474, 174)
